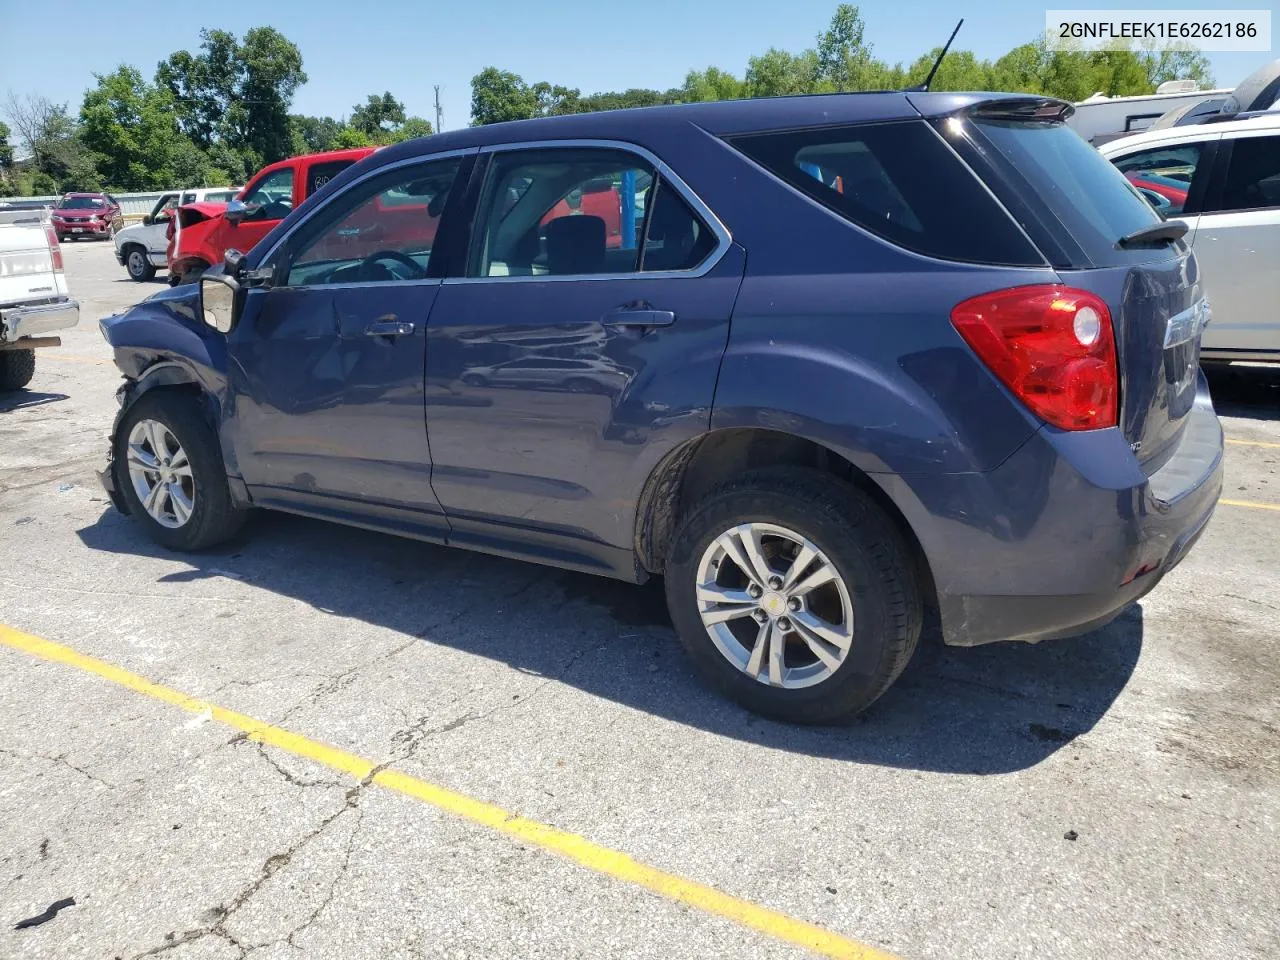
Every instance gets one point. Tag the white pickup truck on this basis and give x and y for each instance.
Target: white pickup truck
(142, 248)
(34, 301)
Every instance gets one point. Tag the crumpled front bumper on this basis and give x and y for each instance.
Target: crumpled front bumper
(21, 322)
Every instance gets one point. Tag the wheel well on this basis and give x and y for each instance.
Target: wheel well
(163, 383)
(697, 467)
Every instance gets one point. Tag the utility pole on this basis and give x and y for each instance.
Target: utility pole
(439, 110)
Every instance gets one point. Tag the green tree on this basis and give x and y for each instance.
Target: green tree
(132, 127)
(777, 73)
(500, 95)
(711, 84)
(237, 92)
(379, 115)
(349, 137)
(960, 70)
(314, 134)
(48, 133)
(411, 129)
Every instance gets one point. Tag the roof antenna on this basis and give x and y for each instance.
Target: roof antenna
(924, 87)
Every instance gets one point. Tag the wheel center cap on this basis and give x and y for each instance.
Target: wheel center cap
(773, 604)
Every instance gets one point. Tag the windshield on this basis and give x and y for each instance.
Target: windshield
(82, 203)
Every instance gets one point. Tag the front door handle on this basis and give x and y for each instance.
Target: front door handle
(388, 328)
(639, 317)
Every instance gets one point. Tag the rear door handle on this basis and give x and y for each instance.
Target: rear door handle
(388, 328)
(639, 317)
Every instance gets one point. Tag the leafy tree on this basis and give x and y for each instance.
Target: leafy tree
(6, 150)
(313, 134)
(378, 115)
(130, 124)
(711, 84)
(349, 137)
(777, 73)
(237, 93)
(500, 95)
(411, 129)
(46, 130)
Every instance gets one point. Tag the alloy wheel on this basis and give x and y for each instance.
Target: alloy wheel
(161, 474)
(774, 605)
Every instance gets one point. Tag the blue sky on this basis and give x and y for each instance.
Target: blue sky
(352, 49)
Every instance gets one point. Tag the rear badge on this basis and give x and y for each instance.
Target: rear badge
(1187, 325)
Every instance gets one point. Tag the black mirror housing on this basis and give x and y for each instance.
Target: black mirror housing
(147, 221)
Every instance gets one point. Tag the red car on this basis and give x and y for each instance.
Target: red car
(79, 215)
(201, 233)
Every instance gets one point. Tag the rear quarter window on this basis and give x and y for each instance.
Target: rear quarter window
(901, 182)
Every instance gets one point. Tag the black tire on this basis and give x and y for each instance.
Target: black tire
(868, 553)
(17, 367)
(193, 275)
(214, 518)
(137, 265)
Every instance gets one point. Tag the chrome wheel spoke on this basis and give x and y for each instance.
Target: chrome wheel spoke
(734, 547)
(155, 438)
(763, 636)
(803, 561)
(777, 647)
(152, 502)
(810, 626)
(714, 593)
(821, 576)
(179, 459)
(141, 457)
(722, 614)
(179, 503)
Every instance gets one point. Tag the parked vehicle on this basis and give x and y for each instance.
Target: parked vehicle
(864, 356)
(142, 248)
(34, 301)
(202, 231)
(87, 215)
(1223, 181)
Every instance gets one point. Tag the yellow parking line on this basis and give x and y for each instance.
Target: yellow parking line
(602, 860)
(1253, 443)
(1250, 504)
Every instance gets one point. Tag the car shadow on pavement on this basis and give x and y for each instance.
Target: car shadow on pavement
(21, 399)
(992, 709)
(1245, 391)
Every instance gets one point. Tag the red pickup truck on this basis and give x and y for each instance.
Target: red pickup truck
(201, 233)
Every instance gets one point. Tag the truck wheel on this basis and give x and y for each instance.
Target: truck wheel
(17, 367)
(169, 469)
(794, 594)
(139, 267)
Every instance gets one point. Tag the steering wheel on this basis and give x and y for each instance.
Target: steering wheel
(416, 272)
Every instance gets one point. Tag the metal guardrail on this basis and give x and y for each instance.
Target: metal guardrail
(134, 206)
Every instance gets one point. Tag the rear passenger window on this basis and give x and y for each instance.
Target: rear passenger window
(581, 212)
(901, 182)
(1163, 175)
(1253, 174)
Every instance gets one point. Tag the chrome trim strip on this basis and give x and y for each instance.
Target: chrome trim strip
(352, 285)
(376, 172)
(668, 175)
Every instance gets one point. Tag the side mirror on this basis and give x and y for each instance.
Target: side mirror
(147, 221)
(235, 212)
(231, 260)
(218, 299)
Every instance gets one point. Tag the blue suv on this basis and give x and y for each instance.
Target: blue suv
(820, 362)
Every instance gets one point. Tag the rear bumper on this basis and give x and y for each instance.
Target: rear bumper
(17, 323)
(1065, 534)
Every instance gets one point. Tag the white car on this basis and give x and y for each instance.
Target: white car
(141, 249)
(1223, 180)
(34, 300)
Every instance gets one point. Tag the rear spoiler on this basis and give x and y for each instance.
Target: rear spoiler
(991, 106)
(1047, 109)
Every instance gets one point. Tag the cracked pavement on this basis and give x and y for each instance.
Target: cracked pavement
(937, 826)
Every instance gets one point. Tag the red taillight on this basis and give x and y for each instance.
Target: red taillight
(55, 250)
(1053, 346)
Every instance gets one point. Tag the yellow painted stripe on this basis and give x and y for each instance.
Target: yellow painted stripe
(1250, 504)
(602, 860)
(1253, 443)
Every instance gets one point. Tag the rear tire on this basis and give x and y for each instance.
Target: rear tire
(875, 584)
(138, 266)
(17, 367)
(212, 517)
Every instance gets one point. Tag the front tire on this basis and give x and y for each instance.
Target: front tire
(17, 367)
(794, 594)
(168, 467)
(138, 266)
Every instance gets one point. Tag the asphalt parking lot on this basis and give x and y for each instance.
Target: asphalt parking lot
(392, 749)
